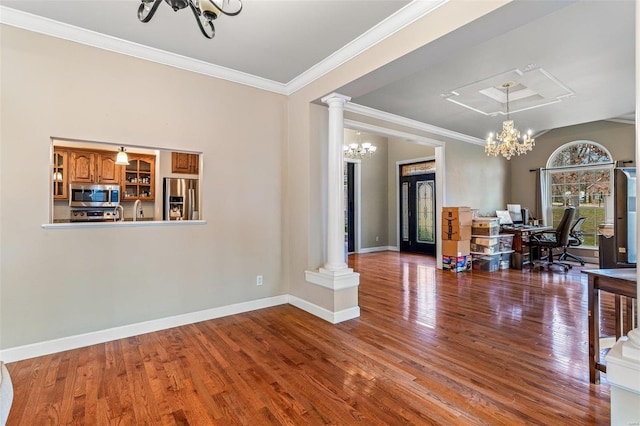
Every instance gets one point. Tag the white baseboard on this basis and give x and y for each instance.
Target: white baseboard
(325, 314)
(81, 340)
(375, 249)
(101, 336)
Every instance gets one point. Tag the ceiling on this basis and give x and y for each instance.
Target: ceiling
(574, 59)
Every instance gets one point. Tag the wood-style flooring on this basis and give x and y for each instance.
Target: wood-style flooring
(430, 347)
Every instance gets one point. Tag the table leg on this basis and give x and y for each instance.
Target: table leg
(618, 314)
(629, 316)
(594, 329)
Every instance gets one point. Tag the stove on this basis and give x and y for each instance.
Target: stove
(93, 215)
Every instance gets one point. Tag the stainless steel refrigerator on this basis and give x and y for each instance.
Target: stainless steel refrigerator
(181, 199)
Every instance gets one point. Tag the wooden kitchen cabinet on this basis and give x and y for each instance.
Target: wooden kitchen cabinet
(94, 167)
(108, 171)
(60, 174)
(138, 178)
(82, 167)
(182, 162)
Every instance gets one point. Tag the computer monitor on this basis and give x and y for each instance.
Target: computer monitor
(505, 218)
(516, 213)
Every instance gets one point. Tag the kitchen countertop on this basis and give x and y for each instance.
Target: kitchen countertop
(147, 222)
(126, 219)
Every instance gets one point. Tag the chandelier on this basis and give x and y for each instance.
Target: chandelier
(205, 11)
(357, 150)
(508, 142)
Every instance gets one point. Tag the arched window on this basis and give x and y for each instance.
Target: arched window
(580, 174)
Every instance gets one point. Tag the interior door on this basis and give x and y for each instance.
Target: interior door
(349, 203)
(417, 213)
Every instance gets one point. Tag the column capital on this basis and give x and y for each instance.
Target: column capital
(335, 98)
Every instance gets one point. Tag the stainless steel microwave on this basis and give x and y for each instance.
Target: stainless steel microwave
(93, 195)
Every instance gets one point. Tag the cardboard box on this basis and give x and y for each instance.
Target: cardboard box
(455, 232)
(456, 247)
(486, 222)
(478, 248)
(462, 215)
(456, 263)
(487, 241)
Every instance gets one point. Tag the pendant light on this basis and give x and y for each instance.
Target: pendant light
(122, 159)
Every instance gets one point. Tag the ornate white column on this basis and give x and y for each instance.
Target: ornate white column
(335, 264)
(336, 276)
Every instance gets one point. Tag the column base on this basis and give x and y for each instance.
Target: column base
(334, 280)
(631, 348)
(623, 374)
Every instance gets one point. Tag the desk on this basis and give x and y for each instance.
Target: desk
(522, 251)
(621, 282)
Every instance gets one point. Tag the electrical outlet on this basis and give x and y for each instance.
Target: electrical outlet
(377, 238)
(259, 280)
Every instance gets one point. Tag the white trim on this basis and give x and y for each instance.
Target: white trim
(325, 314)
(377, 249)
(39, 24)
(621, 121)
(567, 145)
(394, 23)
(390, 133)
(335, 282)
(128, 224)
(413, 124)
(441, 192)
(101, 336)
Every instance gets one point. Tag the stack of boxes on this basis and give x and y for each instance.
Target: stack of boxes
(487, 245)
(456, 238)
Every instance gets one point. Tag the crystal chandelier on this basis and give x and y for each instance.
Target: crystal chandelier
(357, 150)
(507, 142)
(205, 11)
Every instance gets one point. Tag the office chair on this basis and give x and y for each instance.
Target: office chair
(547, 241)
(576, 238)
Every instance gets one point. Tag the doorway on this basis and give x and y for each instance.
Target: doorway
(418, 207)
(349, 203)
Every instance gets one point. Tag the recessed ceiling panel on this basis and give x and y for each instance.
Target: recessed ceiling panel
(532, 88)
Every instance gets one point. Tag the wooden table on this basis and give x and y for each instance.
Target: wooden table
(621, 282)
(521, 236)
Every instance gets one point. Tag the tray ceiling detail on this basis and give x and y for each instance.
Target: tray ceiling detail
(530, 88)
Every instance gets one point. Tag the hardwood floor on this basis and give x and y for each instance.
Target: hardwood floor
(430, 347)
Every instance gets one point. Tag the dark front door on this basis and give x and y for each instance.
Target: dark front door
(417, 213)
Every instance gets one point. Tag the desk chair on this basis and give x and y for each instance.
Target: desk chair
(576, 238)
(547, 241)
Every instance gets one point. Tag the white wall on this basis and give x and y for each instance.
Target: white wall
(263, 172)
(374, 190)
(475, 179)
(64, 282)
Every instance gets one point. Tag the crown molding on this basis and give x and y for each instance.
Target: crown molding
(390, 133)
(39, 24)
(622, 121)
(386, 28)
(412, 124)
(389, 26)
